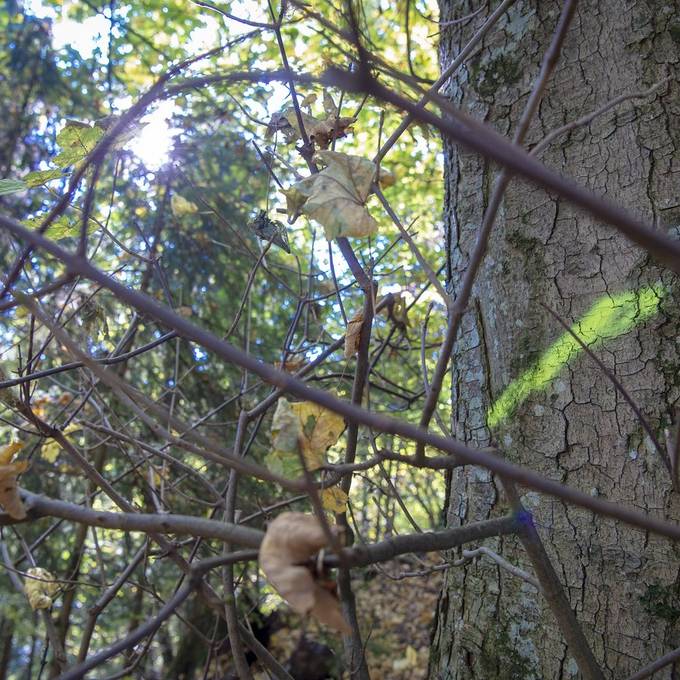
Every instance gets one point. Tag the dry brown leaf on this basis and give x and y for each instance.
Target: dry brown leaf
(353, 335)
(291, 365)
(291, 539)
(321, 131)
(9, 491)
(40, 588)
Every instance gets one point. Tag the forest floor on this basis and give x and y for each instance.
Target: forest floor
(396, 616)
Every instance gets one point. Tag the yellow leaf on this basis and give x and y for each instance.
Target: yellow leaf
(336, 197)
(353, 335)
(291, 540)
(8, 452)
(181, 206)
(301, 429)
(334, 499)
(51, 448)
(49, 451)
(9, 491)
(320, 429)
(40, 587)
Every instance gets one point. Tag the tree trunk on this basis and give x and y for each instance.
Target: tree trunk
(573, 426)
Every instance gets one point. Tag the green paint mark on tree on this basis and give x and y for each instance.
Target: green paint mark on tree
(608, 318)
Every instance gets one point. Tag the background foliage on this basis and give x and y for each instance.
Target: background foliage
(171, 217)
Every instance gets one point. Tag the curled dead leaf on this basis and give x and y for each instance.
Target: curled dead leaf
(270, 230)
(291, 365)
(9, 472)
(353, 335)
(385, 178)
(322, 132)
(40, 587)
(291, 540)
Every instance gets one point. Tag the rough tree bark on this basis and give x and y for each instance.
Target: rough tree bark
(623, 584)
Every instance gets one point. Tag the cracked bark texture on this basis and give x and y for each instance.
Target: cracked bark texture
(623, 584)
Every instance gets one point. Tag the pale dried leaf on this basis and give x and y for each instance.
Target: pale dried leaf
(353, 335)
(400, 311)
(329, 105)
(286, 430)
(40, 587)
(336, 197)
(291, 539)
(308, 100)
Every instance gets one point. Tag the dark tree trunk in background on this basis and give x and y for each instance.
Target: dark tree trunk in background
(623, 584)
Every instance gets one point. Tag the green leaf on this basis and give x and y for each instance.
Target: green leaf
(36, 179)
(284, 464)
(11, 186)
(76, 142)
(62, 227)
